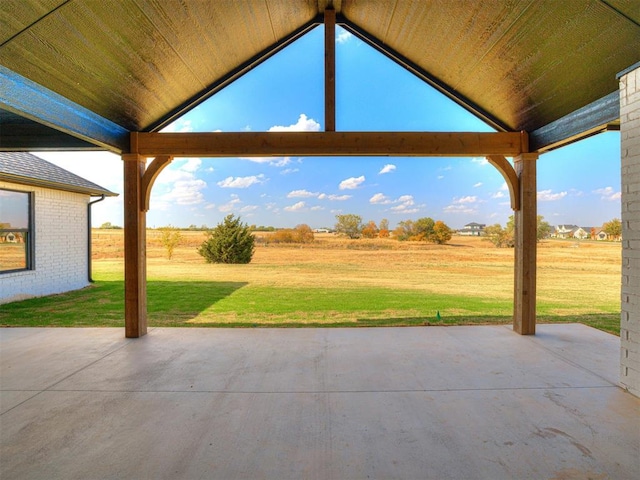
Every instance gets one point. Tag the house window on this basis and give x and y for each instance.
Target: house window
(16, 231)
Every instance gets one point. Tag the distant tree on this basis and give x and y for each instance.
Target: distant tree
(504, 237)
(229, 242)
(500, 237)
(593, 232)
(404, 231)
(109, 226)
(441, 233)
(423, 229)
(170, 239)
(301, 234)
(370, 230)
(304, 233)
(349, 225)
(613, 228)
(544, 229)
(383, 231)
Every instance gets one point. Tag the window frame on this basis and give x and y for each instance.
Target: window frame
(29, 232)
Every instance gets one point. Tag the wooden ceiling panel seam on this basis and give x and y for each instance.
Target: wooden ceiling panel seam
(168, 43)
(273, 33)
(287, 16)
(625, 11)
(9, 14)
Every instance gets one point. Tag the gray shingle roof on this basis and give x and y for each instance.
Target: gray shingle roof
(27, 169)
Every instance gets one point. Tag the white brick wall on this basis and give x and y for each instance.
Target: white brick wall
(630, 295)
(60, 246)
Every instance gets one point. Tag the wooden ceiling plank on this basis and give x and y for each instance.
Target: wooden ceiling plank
(259, 144)
(23, 97)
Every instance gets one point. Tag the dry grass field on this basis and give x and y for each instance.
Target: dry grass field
(467, 280)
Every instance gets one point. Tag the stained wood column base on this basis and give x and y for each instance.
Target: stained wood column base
(526, 231)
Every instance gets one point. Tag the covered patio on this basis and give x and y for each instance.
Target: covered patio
(387, 403)
(445, 402)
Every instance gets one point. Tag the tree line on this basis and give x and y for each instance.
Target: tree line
(421, 230)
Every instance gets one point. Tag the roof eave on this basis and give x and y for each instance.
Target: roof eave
(35, 182)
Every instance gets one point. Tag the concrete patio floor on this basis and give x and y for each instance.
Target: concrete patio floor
(387, 403)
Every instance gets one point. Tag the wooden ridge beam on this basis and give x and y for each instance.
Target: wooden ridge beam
(321, 144)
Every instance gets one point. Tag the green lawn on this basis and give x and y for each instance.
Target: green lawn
(182, 303)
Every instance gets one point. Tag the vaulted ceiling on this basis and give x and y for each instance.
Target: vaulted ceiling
(81, 74)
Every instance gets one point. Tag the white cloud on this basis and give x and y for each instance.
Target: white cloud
(191, 164)
(504, 187)
(273, 161)
(316, 208)
(608, 193)
(388, 168)
(479, 184)
(182, 192)
(406, 199)
(405, 205)
(351, 183)
(301, 194)
(248, 208)
(498, 194)
(241, 182)
(230, 205)
(440, 177)
(180, 125)
(547, 196)
(342, 35)
(295, 207)
(324, 196)
(379, 199)
(462, 205)
(458, 208)
(288, 171)
(480, 161)
(303, 124)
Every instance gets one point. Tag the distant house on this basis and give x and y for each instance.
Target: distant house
(601, 234)
(581, 233)
(44, 227)
(472, 229)
(565, 231)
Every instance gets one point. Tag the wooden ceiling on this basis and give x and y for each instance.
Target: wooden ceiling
(544, 66)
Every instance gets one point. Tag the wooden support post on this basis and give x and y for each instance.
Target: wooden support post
(329, 70)
(526, 229)
(135, 262)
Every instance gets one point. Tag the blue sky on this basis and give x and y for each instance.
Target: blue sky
(578, 184)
